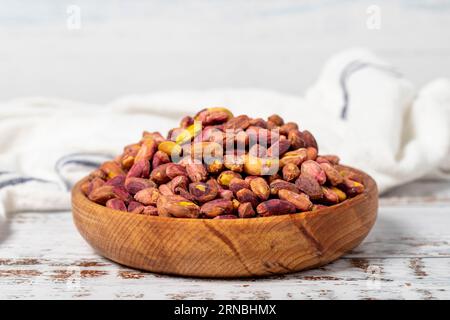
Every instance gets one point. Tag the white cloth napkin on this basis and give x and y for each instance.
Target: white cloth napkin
(360, 108)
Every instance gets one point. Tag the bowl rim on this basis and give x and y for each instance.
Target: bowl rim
(369, 184)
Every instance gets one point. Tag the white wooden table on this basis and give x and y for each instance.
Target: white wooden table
(406, 256)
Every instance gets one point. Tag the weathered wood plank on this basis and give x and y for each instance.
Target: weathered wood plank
(411, 278)
(407, 255)
(419, 193)
(408, 231)
(420, 231)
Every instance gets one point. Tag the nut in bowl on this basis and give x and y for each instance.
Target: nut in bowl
(225, 196)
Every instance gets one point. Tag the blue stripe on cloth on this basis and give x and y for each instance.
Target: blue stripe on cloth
(21, 180)
(91, 160)
(86, 163)
(76, 158)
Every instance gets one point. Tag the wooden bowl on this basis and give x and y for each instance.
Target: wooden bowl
(227, 248)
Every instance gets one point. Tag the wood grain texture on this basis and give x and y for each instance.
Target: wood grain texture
(405, 256)
(227, 248)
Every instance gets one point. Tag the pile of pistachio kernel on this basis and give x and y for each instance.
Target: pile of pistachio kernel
(219, 166)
